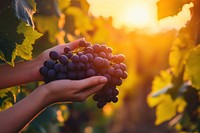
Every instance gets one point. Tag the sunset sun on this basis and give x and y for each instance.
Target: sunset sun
(139, 15)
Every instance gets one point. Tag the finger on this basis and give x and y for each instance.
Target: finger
(89, 82)
(87, 92)
(73, 45)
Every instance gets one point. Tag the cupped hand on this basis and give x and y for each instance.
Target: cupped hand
(38, 61)
(73, 90)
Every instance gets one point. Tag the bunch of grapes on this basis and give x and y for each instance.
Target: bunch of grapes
(86, 61)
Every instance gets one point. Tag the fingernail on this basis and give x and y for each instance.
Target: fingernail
(103, 80)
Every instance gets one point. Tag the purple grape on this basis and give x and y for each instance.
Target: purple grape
(115, 92)
(122, 66)
(71, 75)
(84, 58)
(89, 50)
(67, 49)
(75, 58)
(96, 48)
(118, 73)
(100, 104)
(102, 54)
(54, 55)
(114, 99)
(111, 71)
(61, 76)
(116, 66)
(70, 54)
(98, 61)
(57, 67)
(95, 97)
(103, 48)
(51, 73)
(106, 63)
(87, 66)
(120, 57)
(80, 66)
(109, 56)
(63, 59)
(109, 50)
(71, 66)
(124, 75)
(82, 43)
(107, 91)
(80, 53)
(90, 72)
(49, 64)
(63, 68)
(80, 74)
(119, 82)
(43, 70)
(90, 56)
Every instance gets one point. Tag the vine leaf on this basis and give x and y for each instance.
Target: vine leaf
(24, 10)
(168, 8)
(193, 67)
(180, 50)
(24, 50)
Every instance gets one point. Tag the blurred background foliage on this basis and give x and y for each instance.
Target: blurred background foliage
(62, 21)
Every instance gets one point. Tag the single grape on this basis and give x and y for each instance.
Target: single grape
(103, 48)
(44, 70)
(118, 73)
(54, 55)
(102, 54)
(100, 104)
(114, 99)
(111, 71)
(98, 61)
(69, 54)
(88, 50)
(80, 53)
(120, 57)
(63, 59)
(49, 64)
(96, 48)
(82, 43)
(115, 92)
(75, 58)
(80, 66)
(119, 82)
(51, 73)
(57, 67)
(71, 66)
(124, 75)
(84, 58)
(116, 66)
(109, 50)
(63, 68)
(67, 49)
(109, 56)
(90, 72)
(122, 66)
(90, 56)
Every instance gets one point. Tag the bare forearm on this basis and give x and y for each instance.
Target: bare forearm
(15, 118)
(23, 72)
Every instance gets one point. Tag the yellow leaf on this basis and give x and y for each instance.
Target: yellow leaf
(165, 110)
(193, 67)
(180, 51)
(180, 104)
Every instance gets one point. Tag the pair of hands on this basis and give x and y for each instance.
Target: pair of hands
(67, 90)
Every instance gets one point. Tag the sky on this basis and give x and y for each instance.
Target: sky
(138, 14)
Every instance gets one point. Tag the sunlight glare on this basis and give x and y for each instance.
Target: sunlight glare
(139, 15)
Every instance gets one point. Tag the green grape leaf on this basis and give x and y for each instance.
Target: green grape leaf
(193, 67)
(8, 35)
(24, 50)
(180, 51)
(82, 22)
(168, 8)
(24, 10)
(47, 24)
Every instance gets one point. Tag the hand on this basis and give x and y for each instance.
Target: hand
(73, 90)
(45, 56)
